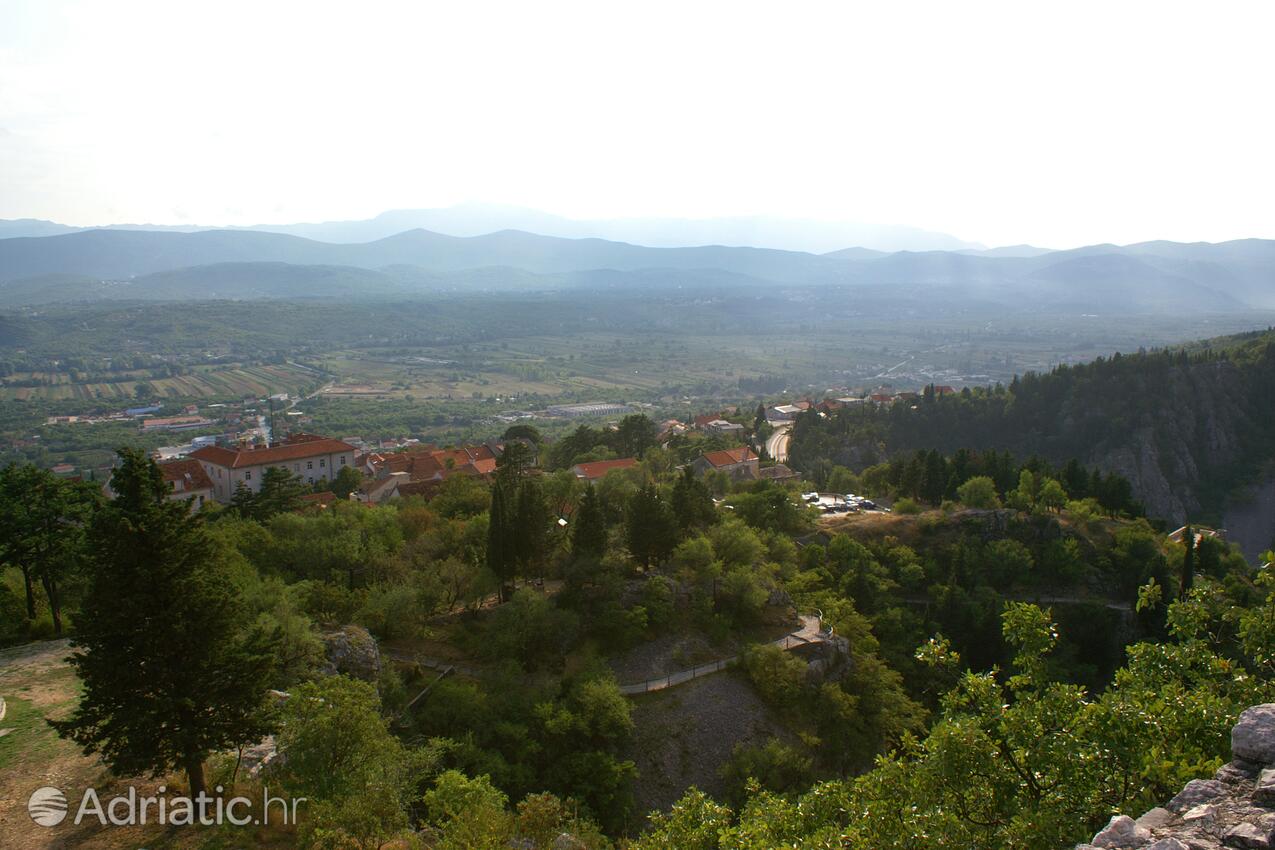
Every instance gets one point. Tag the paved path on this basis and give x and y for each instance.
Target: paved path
(811, 631)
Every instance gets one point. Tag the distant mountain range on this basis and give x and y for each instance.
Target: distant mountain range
(479, 219)
(1151, 277)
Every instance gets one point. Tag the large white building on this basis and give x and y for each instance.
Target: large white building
(311, 457)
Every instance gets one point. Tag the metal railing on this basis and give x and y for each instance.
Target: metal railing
(660, 683)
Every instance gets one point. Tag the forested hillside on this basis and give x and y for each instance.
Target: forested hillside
(1186, 426)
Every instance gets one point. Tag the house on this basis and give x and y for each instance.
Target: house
(724, 428)
(62, 469)
(312, 457)
(881, 399)
(944, 389)
(188, 480)
(670, 428)
(778, 472)
(429, 463)
(737, 463)
(594, 470)
(783, 412)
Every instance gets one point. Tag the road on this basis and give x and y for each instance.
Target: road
(777, 443)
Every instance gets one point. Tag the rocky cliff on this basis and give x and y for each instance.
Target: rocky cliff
(1233, 809)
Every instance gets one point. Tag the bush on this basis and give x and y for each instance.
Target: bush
(776, 766)
(907, 506)
(391, 612)
(777, 676)
(979, 492)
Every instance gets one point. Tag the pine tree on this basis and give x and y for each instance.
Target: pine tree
(42, 521)
(243, 502)
(692, 502)
(650, 527)
(281, 492)
(589, 539)
(169, 673)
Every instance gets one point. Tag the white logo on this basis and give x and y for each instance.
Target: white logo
(47, 806)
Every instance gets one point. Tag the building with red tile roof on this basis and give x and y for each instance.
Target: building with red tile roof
(737, 463)
(188, 480)
(309, 456)
(428, 463)
(594, 470)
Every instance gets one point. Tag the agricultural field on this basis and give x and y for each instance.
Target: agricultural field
(205, 382)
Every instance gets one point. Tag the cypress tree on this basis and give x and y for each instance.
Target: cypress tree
(531, 528)
(1188, 561)
(501, 554)
(589, 539)
(170, 673)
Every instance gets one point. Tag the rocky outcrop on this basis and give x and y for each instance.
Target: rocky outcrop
(352, 651)
(1235, 809)
(831, 662)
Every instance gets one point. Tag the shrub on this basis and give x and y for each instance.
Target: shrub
(906, 506)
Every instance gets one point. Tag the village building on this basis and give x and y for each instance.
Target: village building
(311, 457)
(725, 429)
(783, 412)
(740, 463)
(187, 480)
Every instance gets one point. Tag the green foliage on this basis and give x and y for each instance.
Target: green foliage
(906, 507)
(589, 536)
(650, 529)
(170, 673)
(529, 629)
(979, 492)
(773, 766)
(357, 777)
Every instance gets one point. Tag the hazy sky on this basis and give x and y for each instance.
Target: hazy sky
(1053, 123)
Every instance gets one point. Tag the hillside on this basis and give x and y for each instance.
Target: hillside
(1150, 278)
(1186, 427)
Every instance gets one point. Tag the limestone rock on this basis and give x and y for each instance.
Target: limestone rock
(1237, 772)
(1168, 844)
(1122, 832)
(353, 651)
(1264, 790)
(1197, 791)
(1253, 738)
(1201, 816)
(1157, 818)
(1248, 836)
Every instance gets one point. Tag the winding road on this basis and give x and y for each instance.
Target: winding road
(777, 443)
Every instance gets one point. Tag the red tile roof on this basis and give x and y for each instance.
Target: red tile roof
(297, 447)
(730, 457)
(186, 472)
(594, 470)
